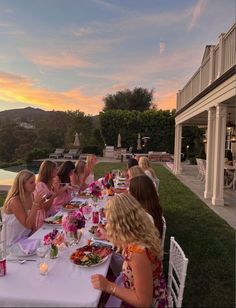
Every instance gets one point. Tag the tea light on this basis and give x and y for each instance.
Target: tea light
(43, 268)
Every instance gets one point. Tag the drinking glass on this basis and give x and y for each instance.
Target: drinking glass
(42, 252)
(87, 211)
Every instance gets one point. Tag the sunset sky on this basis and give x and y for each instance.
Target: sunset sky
(69, 54)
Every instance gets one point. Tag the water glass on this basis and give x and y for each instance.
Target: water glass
(87, 211)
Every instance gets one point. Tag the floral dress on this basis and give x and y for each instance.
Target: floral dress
(159, 285)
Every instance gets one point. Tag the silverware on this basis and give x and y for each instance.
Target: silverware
(21, 261)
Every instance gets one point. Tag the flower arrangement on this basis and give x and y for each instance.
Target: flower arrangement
(55, 239)
(73, 221)
(95, 189)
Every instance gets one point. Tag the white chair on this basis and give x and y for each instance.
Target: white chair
(163, 233)
(177, 274)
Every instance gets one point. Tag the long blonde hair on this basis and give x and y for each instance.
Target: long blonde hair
(135, 171)
(17, 188)
(80, 169)
(128, 223)
(45, 172)
(90, 161)
(145, 165)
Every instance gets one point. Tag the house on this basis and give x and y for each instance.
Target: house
(209, 99)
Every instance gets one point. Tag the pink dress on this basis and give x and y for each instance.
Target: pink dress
(159, 285)
(41, 187)
(63, 198)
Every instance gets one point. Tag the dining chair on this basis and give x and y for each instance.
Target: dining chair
(178, 264)
(163, 233)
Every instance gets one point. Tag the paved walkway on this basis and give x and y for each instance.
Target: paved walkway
(189, 178)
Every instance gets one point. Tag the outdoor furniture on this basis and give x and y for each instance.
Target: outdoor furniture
(177, 274)
(201, 164)
(163, 233)
(57, 154)
(72, 154)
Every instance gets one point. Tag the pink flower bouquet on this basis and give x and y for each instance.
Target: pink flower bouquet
(73, 221)
(54, 238)
(95, 189)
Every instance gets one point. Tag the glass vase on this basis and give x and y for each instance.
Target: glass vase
(53, 251)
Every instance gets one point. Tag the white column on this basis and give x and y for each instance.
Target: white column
(210, 153)
(219, 153)
(177, 151)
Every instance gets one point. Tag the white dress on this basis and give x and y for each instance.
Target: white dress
(89, 179)
(14, 230)
(156, 181)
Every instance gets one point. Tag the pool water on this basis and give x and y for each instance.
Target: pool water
(8, 175)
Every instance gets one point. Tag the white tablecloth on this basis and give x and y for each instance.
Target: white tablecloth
(65, 285)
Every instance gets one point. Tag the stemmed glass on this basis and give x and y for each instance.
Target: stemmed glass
(87, 211)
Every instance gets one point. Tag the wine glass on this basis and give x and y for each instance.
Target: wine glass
(87, 211)
(42, 252)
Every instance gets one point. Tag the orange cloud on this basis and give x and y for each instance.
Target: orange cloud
(14, 88)
(57, 60)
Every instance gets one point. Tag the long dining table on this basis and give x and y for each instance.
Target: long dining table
(66, 284)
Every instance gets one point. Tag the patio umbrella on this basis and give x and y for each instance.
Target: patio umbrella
(77, 141)
(139, 142)
(119, 141)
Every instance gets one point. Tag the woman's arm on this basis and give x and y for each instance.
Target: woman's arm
(142, 294)
(27, 220)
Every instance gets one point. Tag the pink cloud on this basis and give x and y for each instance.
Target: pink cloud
(197, 12)
(15, 88)
(57, 60)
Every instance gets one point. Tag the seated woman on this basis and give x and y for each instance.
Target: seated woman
(44, 185)
(145, 165)
(134, 171)
(20, 208)
(128, 227)
(62, 185)
(77, 178)
(89, 174)
(142, 189)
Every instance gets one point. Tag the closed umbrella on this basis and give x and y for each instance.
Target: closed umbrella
(77, 141)
(139, 142)
(119, 141)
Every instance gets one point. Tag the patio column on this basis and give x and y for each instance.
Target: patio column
(210, 153)
(177, 151)
(219, 153)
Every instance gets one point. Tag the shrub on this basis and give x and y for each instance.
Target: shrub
(92, 149)
(37, 153)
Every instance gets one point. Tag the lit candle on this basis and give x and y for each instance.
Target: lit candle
(43, 268)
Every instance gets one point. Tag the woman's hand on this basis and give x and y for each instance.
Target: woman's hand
(101, 283)
(101, 232)
(39, 199)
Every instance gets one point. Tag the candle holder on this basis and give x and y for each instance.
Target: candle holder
(43, 268)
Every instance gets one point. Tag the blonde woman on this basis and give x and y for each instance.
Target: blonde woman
(145, 165)
(77, 178)
(135, 171)
(129, 228)
(20, 207)
(90, 163)
(47, 172)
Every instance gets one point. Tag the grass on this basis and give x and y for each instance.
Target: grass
(207, 240)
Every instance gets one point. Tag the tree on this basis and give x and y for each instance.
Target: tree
(139, 99)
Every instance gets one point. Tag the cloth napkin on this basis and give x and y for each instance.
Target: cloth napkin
(28, 246)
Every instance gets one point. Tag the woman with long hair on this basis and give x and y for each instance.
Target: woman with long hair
(134, 171)
(62, 185)
(144, 163)
(129, 228)
(89, 173)
(77, 178)
(142, 188)
(20, 208)
(44, 184)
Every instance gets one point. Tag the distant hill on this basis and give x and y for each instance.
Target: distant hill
(30, 114)
(23, 114)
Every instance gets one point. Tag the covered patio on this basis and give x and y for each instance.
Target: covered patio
(209, 100)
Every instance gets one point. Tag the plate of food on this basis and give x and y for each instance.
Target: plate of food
(72, 206)
(91, 255)
(54, 220)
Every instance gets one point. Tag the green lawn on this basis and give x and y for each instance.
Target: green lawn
(206, 239)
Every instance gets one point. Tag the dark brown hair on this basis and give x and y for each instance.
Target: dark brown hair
(64, 171)
(142, 188)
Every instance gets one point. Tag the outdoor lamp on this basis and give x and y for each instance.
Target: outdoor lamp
(229, 124)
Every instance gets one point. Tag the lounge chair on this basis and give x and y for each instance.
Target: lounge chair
(57, 154)
(73, 153)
